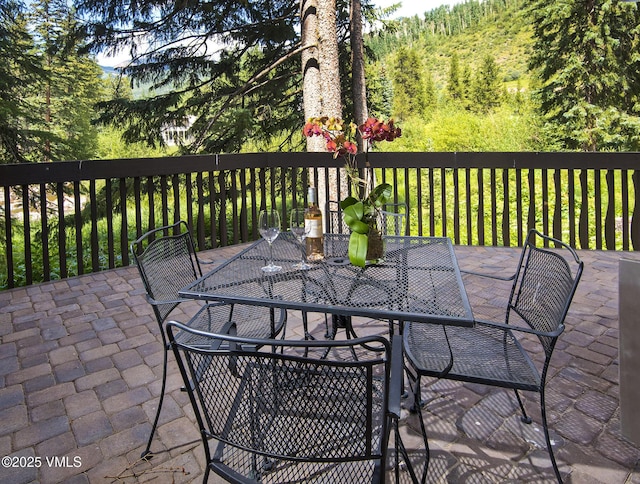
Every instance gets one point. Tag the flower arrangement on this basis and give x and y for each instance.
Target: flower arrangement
(360, 214)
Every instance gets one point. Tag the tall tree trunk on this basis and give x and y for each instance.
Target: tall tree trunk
(311, 92)
(331, 94)
(360, 111)
(329, 59)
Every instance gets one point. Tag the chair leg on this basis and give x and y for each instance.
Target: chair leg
(272, 319)
(147, 451)
(400, 450)
(543, 411)
(426, 445)
(414, 389)
(305, 326)
(416, 407)
(338, 321)
(327, 332)
(525, 418)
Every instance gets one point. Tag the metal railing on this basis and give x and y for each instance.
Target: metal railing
(68, 218)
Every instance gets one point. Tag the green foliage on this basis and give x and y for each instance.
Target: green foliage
(486, 92)
(379, 90)
(229, 65)
(462, 53)
(454, 85)
(110, 147)
(590, 91)
(408, 84)
(359, 215)
(21, 137)
(452, 128)
(48, 88)
(583, 78)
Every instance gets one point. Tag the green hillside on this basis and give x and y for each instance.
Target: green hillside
(472, 30)
(496, 32)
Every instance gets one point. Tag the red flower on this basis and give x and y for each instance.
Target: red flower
(375, 130)
(311, 129)
(332, 130)
(350, 147)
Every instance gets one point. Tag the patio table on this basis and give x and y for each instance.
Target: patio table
(419, 280)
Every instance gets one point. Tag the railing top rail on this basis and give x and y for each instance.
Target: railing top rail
(66, 171)
(69, 171)
(522, 160)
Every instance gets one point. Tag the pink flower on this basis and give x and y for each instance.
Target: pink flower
(375, 130)
(311, 129)
(350, 147)
(333, 131)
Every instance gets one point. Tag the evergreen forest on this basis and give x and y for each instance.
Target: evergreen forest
(492, 75)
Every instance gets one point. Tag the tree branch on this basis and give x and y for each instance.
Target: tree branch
(244, 88)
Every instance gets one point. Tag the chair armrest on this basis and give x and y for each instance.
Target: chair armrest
(155, 302)
(521, 329)
(490, 276)
(396, 377)
(229, 328)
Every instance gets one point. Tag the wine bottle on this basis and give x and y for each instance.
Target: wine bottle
(313, 227)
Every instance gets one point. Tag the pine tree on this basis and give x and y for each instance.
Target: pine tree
(235, 66)
(408, 84)
(467, 87)
(20, 70)
(430, 97)
(454, 86)
(487, 87)
(232, 65)
(586, 54)
(71, 86)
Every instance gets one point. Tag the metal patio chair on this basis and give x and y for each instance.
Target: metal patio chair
(394, 222)
(395, 219)
(493, 353)
(167, 262)
(335, 223)
(284, 413)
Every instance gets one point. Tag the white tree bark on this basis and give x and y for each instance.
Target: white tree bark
(329, 59)
(311, 90)
(322, 95)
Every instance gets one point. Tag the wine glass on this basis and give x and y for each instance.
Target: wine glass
(300, 230)
(269, 227)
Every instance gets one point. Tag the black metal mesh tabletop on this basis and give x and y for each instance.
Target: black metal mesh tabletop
(419, 280)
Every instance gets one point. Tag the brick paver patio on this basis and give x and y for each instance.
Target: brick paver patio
(81, 361)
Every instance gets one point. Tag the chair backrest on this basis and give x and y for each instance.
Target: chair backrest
(335, 221)
(287, 412)
(394, 219)
(166, 260)
(544, 285)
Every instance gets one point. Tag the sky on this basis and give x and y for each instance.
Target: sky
(408, 9)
